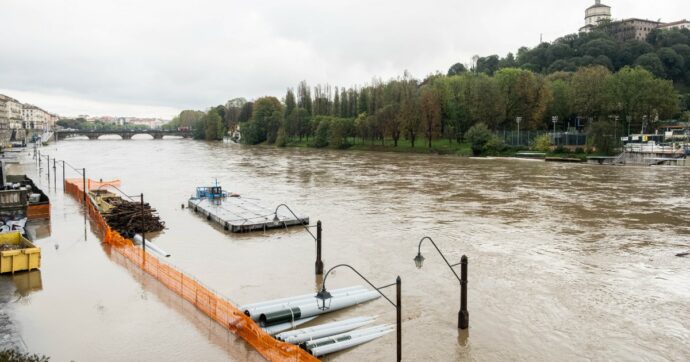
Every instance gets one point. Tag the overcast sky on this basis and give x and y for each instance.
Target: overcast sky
(155, 58)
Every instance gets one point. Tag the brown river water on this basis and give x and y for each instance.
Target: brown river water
(566, 262)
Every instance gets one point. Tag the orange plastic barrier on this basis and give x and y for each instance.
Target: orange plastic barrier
(213, 305)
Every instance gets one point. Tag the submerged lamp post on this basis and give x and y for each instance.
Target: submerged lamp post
(323, 299)
(554, 119)
(463, 315)
(318, 265)
(518, 120)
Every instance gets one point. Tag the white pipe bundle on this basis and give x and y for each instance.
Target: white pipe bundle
(256, 312)
(149, 245)
(310, 308)
(350, 340)
(289, 299)
(324, 330)
(273, 330)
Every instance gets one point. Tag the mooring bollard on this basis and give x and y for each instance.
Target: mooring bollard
(463, 315)
(319, 262)
(398, 317)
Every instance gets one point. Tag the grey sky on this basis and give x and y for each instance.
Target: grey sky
(155, 58)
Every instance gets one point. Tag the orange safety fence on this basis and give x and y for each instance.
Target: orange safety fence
(213, 305)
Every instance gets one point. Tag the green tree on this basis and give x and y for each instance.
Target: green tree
(457, 69)
(430, 113)
(478, 136)
(652, 63)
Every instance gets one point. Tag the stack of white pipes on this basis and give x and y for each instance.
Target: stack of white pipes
(254, 310)
(339, 342)
(283, 313)
(299, 336)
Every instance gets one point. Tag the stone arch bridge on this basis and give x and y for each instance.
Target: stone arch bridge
(126, 135)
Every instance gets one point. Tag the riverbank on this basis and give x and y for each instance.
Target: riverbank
(438, 147)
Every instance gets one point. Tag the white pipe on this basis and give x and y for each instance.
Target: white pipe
(353, 334)
(335, 303)
(272, 330)
(255, 313)
(289, 299)
(335, 347)
(325, 330)
(149, 245)
(285, 335)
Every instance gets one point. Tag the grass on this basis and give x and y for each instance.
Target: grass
(443, 147)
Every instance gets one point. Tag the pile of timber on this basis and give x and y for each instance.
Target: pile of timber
(126, 218)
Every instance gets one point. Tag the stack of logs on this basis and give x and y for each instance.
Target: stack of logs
(126, 218)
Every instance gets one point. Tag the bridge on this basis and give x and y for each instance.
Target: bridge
(125, 134)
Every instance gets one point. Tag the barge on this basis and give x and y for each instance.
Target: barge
(238, 214)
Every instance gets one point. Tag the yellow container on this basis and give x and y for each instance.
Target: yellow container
(28, 257)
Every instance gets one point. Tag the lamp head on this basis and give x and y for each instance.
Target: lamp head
(323, 299)
(275, 217)
(419, 260)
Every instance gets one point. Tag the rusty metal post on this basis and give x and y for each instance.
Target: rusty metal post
(319, 262)
(143, 234)
(398, 312)
(463, 315)
(83, 178)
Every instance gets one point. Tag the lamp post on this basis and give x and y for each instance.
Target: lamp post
(629, 119)
(323, 299)
(463, 314)
(318, 265)
(518, 120)
(554, 119)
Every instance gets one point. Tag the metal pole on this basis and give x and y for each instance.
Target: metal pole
(398, 312)
(63, 176)
(143, 234)
(48, 171)
(463, 315)
(319, 262)
(83, 178)
(54, 174)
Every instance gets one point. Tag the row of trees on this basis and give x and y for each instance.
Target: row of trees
(447, 106)
(665, 53)
(84, 125)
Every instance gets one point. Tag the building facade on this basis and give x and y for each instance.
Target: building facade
(35, 118)
(682, 24)
(631, 29)
(10, 113)
(599, 16)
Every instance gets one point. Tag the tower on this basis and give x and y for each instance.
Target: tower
(596, 14)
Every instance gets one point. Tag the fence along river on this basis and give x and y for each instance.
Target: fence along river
(567, 261)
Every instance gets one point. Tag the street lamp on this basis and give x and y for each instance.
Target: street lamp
(323, 300)
(518, 120)
(554, 119)
(463, 314)
(629, 119)
(318, 265)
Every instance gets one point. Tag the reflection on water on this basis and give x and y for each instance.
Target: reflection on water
(566, 261)
(26, 283)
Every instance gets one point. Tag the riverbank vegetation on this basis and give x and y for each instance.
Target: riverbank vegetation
(466, 109)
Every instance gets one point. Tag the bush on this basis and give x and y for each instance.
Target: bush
(495, 146)
(281, 139)
(478, 136)
(322, 134)
(10, 355)
(541, 143)
(580, 150)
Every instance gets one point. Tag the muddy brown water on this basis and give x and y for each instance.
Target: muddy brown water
(567, 262)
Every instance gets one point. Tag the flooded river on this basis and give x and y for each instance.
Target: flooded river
(567, 262)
